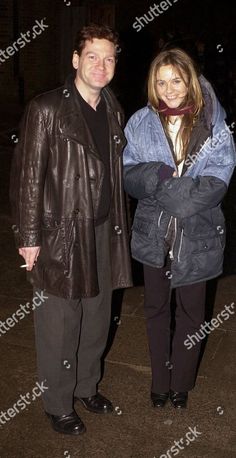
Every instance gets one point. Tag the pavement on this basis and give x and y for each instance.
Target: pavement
(135, 429)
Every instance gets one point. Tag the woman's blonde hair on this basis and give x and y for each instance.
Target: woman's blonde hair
(186, 68)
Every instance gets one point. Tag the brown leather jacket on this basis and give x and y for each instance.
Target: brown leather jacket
(56, 182)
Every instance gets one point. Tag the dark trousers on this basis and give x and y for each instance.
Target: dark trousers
(172, 368)
(71, 336)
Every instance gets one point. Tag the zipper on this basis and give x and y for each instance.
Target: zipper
(168, 227)
(173, 243)
(159, 219)
(180, 244)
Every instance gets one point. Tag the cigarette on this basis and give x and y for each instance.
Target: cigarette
(24, 265)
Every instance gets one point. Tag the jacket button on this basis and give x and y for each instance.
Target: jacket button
(118, 230)
(77, 177)
(76, 211)
(117, 139)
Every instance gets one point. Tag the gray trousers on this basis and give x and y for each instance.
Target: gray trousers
(71, 336)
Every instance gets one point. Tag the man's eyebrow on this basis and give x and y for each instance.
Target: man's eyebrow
(94, 52)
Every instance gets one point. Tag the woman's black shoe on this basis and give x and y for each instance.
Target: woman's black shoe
(179, 399)
(159, 399)
(67, 424)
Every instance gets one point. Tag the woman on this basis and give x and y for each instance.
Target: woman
(178, 163)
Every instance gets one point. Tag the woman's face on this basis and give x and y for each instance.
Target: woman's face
(170, 86)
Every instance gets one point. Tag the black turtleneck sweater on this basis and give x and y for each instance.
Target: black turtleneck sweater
(98, 126)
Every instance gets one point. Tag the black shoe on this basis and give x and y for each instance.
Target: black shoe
(159, 399)
(67, 424)
(97, 404)
(179, 399)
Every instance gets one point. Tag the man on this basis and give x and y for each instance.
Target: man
(69, 210)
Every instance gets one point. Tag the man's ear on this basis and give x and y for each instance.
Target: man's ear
(75, 60)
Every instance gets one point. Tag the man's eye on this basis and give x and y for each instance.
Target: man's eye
(91, 57)
(111, 60)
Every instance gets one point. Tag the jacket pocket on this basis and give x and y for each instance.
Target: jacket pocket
(54, 252)
(144, 243)
(202, 241)
(206, 226)
(201, 245)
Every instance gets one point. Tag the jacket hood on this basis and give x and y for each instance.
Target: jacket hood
(214, 112)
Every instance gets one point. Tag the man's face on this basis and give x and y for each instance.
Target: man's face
(171, 88)
(96, 64)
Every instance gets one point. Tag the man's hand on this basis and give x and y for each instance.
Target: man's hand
(30, 255)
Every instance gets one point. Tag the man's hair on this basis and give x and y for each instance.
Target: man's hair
(95, 31)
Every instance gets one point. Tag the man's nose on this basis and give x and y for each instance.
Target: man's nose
(101, 63)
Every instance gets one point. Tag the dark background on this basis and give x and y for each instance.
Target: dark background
(205, 28)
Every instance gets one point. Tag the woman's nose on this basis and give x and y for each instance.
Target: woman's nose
(169, 88)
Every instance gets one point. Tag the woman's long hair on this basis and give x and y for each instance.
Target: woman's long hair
(186, 68)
